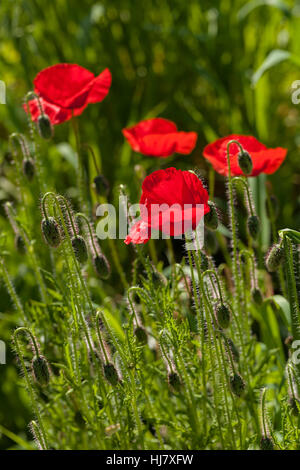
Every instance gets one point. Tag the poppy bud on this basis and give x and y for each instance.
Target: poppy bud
(245, 162)
(80, 249)
(20, 244)
(274, 206)
(174, 381)
(101, 266)
(141, 335)
(274, 257)
(40, 370)
(45, 127)
(28, 168)
(223, 315)
(51, 232)
(233, 349)
(237, 384)
(101, 185)
(266, 443)
(204, 261)
(111, 374)
(257, 296)
(210, 242)
(211, 219)
(253, 225)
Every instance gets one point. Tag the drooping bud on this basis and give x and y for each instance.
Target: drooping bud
(141, 335)
(210, 242)
(28, 168)
(253, 225)
(257, 296)
(101, 185)
(274, 257)
(80, 249)
(211, 219)
(111, 374)
(223, 315)
(44, 126)
(237, 384)
(51, 231)
(101, 266)
(20, 244)
(174, 381)
(266, 443)
(245, 162)
(40, 370)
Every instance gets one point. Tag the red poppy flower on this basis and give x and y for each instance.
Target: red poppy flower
(67, 89)
(172, 201)
(159, 138)
(264, 160)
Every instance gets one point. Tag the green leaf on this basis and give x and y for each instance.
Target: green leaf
(274, 58)
(115, 326)
(250, 6)
(284, 308)
(292, 234)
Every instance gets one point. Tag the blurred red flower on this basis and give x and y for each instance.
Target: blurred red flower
(264, 160)
(172, 201)
(159, 137)
(67, 89)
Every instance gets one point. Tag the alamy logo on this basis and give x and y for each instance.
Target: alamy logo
(2, 92)
(2, 352)
(296, 93)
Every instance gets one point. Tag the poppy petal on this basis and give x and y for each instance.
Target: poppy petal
(100, 87)
(159, 138)
(138, 234)
(63, 84)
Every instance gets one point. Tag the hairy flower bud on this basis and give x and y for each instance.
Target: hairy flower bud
(51, 231)
(45, 127)
(28, 168)
(237, 384)
(20, 244)
(101, 185)
(101, 266)
(223, 315)
(211, 219)
(274, 257)
(257, 296)
(245, 162)
(141, 335)
(80, 249)
(266, 443)
(253, 225)
(111, 374)
(40, 370)
(174, 381)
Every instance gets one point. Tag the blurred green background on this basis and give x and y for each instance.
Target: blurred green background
(214, 67)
